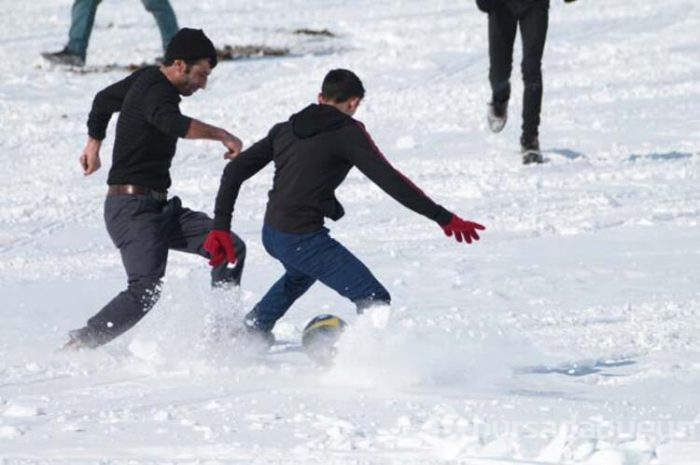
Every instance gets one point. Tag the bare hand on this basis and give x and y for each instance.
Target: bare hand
(234, 146)
(90, 159)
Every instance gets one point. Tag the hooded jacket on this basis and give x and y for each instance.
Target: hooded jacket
(313, 152)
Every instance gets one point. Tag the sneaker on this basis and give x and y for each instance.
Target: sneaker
(64, 57)
(530, 150)
(80, 339)
(497, 115)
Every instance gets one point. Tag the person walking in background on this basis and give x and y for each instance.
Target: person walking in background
(83, 18)
(505, 16)
(141, 221)
(312, 153)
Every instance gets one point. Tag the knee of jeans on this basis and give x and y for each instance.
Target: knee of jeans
(146, 291)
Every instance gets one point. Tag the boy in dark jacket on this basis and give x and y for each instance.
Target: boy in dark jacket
(313, 153)
(532, 16)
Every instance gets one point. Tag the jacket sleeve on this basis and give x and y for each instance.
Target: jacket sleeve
(484, 5)
(245, 165)
(363, 153)
(162, 110)
(106, 102)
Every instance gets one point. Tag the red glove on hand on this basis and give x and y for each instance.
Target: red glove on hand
(462, 229)
(218, 244)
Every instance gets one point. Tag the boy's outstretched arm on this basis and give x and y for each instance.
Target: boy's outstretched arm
(361, 151)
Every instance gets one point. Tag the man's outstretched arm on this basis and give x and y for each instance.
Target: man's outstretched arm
(201, 130)
(162, 110)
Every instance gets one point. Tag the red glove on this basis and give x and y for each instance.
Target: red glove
(462, 229)
(218, 244)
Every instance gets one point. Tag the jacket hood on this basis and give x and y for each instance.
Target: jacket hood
(316, 119)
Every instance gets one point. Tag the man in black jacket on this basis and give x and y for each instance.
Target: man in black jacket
(504, 18)
(313, 153)
(142, 222)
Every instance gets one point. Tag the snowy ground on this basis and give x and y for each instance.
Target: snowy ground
(569, 334)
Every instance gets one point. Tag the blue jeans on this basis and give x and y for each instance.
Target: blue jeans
(307, 258)
(83, 17)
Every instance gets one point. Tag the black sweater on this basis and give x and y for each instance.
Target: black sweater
(313, 153)
(147, 129)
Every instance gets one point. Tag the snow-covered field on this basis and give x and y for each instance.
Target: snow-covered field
(569, 334)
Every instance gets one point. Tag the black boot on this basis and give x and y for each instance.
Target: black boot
(530, 150)
(251, 339)
(82, 338)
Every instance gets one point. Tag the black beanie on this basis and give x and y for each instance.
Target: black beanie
(190, 44)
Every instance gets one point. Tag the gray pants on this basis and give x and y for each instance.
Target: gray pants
(145, 230)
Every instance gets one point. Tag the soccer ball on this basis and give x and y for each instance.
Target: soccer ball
(320, 336)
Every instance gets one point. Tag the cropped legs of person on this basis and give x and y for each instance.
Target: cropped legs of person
(165, 18)
(503, 25)
(144, 230)
(308, 258)
(82, 19)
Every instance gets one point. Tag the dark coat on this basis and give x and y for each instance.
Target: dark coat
(313, 153)
(516, 6)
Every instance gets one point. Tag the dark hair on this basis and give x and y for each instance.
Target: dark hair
(340, 85)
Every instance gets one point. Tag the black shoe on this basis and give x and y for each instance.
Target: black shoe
(497, 115)
(253, 340)
(530, 150)
(64, 57)
(80, 339)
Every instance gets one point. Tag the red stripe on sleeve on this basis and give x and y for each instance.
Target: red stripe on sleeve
(381, 155)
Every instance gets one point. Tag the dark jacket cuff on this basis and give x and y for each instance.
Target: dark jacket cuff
(97, 134)
(222, 222)
(443, 216)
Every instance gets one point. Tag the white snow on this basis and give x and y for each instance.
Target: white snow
(569, 334)
(20, 411)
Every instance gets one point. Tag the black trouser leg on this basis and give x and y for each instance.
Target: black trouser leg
(533, 31)
(139, 227)
(144, 230)
(188, 234)
(502, 29)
